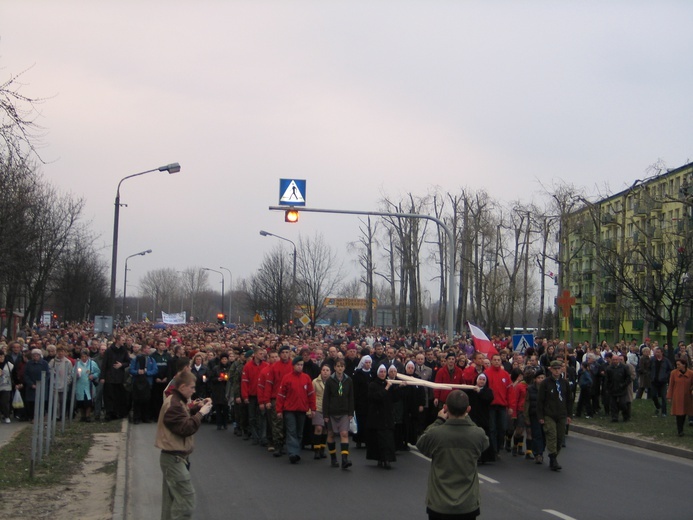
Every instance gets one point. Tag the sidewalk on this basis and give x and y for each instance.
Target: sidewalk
(8, 431)
(631, 441)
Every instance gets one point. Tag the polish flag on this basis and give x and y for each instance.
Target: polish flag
(481, 341)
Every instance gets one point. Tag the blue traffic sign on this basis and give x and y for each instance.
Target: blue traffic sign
(292, 192)
(521, 342)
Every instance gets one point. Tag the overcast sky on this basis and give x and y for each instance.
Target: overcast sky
(360, 99)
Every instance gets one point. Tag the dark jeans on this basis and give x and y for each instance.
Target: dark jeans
(497, 426)
(538, 443)
(619, 404)
(658, 392)
(585, 400)
(221, 410)
(294, 422)
(115, 400)
(256, 420)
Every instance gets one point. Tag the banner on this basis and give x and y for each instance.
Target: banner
(173, 319)
(481, 341)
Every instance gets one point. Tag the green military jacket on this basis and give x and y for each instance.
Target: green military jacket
(454, 447)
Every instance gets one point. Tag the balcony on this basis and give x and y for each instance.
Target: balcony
(638, 237)
(641, 208)
(609, 219)
(608, 297)
(656, 234)
(607, 325)
(586, 277)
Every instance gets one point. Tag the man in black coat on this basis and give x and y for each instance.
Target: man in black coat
(617, 381)
(115, 363)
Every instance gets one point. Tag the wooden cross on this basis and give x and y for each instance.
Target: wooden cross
(565, 303)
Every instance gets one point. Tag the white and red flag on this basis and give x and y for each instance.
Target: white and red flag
(481, 341)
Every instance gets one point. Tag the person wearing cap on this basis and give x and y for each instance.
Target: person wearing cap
(554, 409)
(454, 444)
(295, 402)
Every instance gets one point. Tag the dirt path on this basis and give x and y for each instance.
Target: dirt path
(89, 494)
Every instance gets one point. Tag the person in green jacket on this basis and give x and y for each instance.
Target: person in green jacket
(454, 444)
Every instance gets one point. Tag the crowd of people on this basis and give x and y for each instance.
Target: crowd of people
(287, 391)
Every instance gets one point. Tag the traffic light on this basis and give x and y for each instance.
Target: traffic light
(221, 319)
(291, 215)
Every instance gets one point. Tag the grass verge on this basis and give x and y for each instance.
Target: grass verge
(67, 452)
(643, 425)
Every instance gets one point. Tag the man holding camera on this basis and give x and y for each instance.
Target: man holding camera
(179, 420)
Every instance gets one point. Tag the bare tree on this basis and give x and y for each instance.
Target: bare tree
(19, 130)
(319, 275)
(366, 243)
(162, 285)
(193, 281)
(271, 288)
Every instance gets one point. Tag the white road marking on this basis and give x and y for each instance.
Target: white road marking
(482, 477)
(558, 514)
(488, 479)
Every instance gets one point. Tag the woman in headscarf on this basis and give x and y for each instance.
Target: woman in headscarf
(480, 413)
(363, 375)
(413, 402)
(382, 394)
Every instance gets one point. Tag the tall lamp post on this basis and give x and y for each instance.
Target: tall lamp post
(125, 278)
(222, 285)
(293, 281)
(170, 168)
(230, 288)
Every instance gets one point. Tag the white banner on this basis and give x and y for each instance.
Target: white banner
(173, 319)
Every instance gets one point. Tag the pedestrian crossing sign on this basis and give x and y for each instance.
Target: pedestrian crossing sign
(521, 342)
(292, 192)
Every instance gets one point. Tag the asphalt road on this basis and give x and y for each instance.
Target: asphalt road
(600, 480)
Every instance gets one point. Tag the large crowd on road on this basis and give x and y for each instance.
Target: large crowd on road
(284, 393)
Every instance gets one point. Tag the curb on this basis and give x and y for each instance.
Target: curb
(624, 439)
(120, 495)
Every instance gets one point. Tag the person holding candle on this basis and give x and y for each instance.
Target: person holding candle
(87, 374)
(219, 378)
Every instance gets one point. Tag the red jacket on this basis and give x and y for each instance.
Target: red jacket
(518, 395)
(273, 379)
(443, 377)
(251, 371)
(470, 374)
(499, 382)
(262, 376)
(296, 393)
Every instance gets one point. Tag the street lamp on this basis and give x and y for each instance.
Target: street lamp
(293, 281)
(222, 285)
(230, 288)
(125, 282)
(170, 168)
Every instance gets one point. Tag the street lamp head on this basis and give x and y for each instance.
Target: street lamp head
(265, 233)
(170, 168)
(148, 251)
